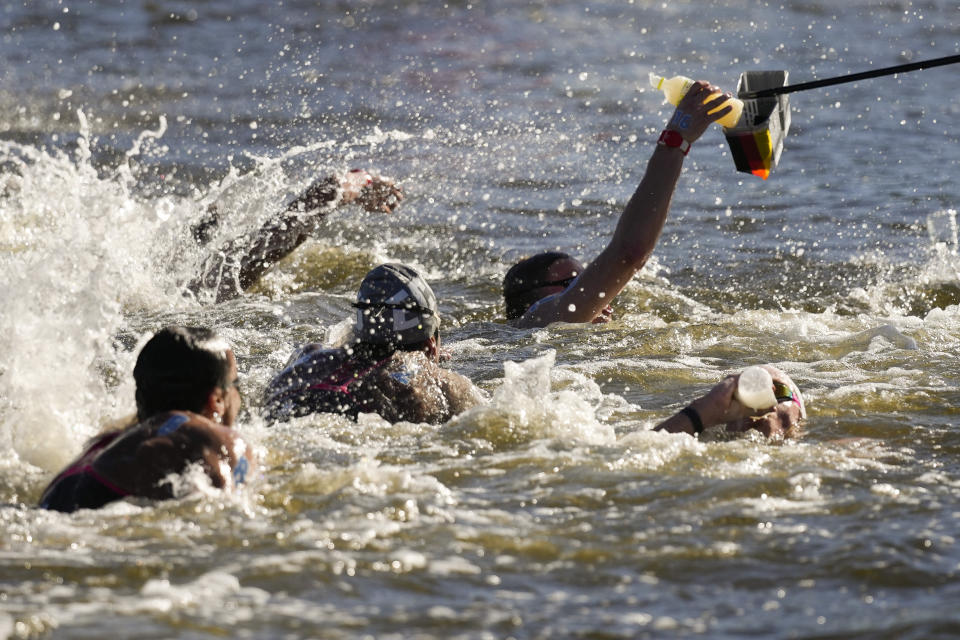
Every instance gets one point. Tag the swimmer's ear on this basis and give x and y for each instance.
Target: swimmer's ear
(432, 348)
(216, 404)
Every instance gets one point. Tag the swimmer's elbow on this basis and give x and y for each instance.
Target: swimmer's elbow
(634, 256)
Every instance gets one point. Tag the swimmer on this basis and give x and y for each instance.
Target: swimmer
(187, 401)
(390, 367)
(555, 287)
(719, 406)
(238, 265)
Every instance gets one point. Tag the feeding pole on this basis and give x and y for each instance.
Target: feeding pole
(756, 141)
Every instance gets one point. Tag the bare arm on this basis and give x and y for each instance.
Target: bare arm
(460, 392)
(148, 455)
(640, 223)
(219, 450)
(414, 388)
(241, 262)
(720, 406)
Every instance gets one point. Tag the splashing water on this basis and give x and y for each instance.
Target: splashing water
(77, 248)
(553, 511)
(524, 408)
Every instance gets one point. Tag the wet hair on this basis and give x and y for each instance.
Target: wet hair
(178, 368)
(524, 278)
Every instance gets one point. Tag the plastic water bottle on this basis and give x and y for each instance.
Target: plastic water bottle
(755, 389)
(676, 87)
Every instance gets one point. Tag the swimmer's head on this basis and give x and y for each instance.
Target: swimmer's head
(537, 277)
(178, 368)
(395, 306)
(786, 390)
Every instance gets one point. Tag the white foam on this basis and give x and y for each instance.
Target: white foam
(77, 250)
(453, 565)
(524, 408)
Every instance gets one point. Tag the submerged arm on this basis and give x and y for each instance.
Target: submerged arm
(460, 392)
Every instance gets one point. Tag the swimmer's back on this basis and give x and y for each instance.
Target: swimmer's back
(138, 460)
(79, 486)
(405, 386)
(316, 380)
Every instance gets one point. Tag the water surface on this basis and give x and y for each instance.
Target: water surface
(554, 511)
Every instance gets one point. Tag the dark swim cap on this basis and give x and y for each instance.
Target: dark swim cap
(396, 306)
(522, 281)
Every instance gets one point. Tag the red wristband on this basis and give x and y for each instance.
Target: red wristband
(367, 178)
(672, 138)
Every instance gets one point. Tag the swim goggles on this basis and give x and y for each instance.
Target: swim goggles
(784, 393)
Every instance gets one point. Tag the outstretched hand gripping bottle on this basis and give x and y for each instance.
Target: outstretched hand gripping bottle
(755, 389)
(676, 87)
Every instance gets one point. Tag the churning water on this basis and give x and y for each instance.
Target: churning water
(553, 511)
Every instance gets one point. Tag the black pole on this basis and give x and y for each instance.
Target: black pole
(853, 77)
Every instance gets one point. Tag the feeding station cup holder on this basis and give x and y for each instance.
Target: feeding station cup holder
(756, 142)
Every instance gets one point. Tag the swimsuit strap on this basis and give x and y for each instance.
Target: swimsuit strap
(172, 423)
(329, 386)
(90, 471)
(240, 471)
(83, 462)
(345, 376)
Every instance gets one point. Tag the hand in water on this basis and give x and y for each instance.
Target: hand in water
(606, 315)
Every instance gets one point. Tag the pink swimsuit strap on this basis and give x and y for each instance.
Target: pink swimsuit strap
(344, 387)
(83, 466)
(90, 471)
(87, 469)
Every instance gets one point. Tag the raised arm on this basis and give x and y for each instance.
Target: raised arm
(236, 266)
(640, 223)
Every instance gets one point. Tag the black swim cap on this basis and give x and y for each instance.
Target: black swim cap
(522, 281)
(396, 306)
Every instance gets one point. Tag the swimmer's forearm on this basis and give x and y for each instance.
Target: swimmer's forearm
(644, 216)
(693, 419)
(241, 263)
(632, 244)
(460, 391)
(282, 235)
(320, 196)
(643, 219)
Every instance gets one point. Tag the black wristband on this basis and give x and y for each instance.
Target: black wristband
(694, 419)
